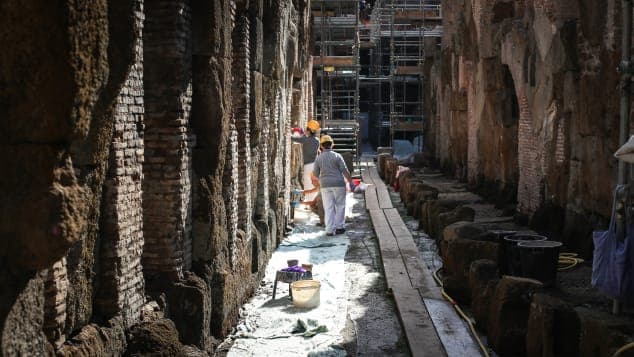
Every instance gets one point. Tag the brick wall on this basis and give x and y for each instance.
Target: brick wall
(561, 143)
(530, 188)
(168, 139)
(241, 93)
(229, 191)
(121, 284)
(473, 152)
(138, 238)
(55, 292)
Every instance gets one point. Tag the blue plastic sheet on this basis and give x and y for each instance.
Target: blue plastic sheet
(613, 260)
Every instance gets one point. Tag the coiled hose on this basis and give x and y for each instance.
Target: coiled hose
(464, 316)
(568, 261)
(629, 346)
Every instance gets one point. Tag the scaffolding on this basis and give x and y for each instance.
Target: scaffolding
(397, 37)
(336, 65)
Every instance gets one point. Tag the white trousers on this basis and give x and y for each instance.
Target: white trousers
(308, 183)
(334, 199)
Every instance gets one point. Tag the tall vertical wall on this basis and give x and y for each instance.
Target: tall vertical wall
(146, 157)
(525, 105)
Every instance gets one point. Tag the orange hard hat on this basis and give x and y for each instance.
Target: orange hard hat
(313, 125)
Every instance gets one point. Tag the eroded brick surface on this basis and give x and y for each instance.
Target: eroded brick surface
(173, 182)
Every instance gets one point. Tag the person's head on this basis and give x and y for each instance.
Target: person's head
(311, 127)
(326, 142)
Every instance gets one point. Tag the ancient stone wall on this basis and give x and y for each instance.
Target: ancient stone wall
(168, 139)
(516, 109)
(148, 166)
(121, 283)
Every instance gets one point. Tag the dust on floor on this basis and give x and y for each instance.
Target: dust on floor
(354, 317)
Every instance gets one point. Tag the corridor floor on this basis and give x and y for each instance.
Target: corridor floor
(359, 316)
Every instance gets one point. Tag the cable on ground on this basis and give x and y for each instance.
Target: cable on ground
(620, 351)
(568, 261)
(464, 316)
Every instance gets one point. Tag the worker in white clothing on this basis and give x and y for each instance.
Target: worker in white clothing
(331, 170)
(310, 147)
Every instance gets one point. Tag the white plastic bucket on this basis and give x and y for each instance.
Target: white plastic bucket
(305, 293)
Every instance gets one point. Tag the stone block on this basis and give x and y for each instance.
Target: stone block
(403, 180)
(94, 340)
(458, 254)
(380, 163)
(421, 198)
(553, 328)
(508, 316)
(431, 220)
(156, 337)
(458, 214)
(189, 307)
(389, 170)
(602, 333)
(483, 279)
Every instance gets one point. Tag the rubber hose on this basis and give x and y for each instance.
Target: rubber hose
(629, 346)
(464, 316)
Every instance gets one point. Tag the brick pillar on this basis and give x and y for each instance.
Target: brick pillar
(285, 137)
(168, 139)
(529, 194)
(465, 74)
(55, 292)
(121, 285)
(262, 201)
(229, 190)
(241, 111)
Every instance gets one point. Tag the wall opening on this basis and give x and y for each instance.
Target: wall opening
(510, 104)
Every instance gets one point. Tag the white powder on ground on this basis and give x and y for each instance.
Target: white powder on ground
(267, 324)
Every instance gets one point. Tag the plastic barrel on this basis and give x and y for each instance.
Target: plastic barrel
(500, 235)
(539, 260)
(513, 263)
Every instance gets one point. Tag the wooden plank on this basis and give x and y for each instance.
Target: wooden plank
(375, 176)
(454, 333)
(407, 126)
(417, 15)
(420, 277)
(384, 198)
(417, 324)
(405, 70)
(366, 177)
(422, 338)
(381, 190)
(333, 61)
(393, 266)
(318, 13)
(371, 200)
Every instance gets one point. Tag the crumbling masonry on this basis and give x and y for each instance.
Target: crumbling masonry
(146, 166)
(523, 103)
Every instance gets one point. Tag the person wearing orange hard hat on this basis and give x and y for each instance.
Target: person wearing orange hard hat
(332, 172)
(310, 147)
